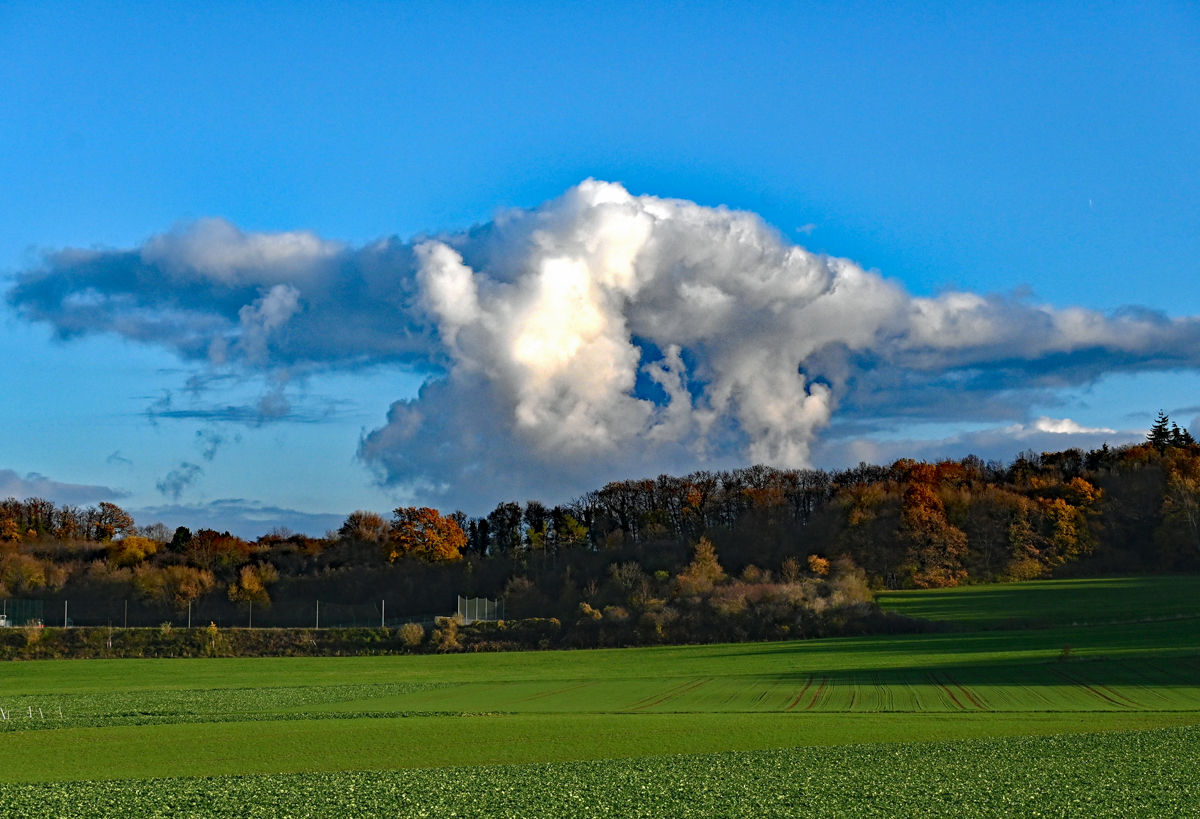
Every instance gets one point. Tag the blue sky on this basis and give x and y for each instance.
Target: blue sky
(1043, 152)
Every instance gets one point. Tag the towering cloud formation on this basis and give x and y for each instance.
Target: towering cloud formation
(601, 334)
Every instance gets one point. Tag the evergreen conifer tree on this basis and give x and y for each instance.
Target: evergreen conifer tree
(1176, 438)
(1160, 433)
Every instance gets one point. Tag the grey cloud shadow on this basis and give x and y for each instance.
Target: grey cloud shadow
(40, 486)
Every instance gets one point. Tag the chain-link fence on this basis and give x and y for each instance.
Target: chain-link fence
(471, 609)
(132, 613)
(21, 613)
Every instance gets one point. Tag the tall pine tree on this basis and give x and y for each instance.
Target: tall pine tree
(1160, 433)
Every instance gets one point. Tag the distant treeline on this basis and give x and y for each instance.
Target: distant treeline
(742, 554)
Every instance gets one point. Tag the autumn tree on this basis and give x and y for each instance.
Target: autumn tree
(39, 515)
(109, 521)
(935, 548)
(1024, 543)
(210, 549)
(131, 550)
(703, 572)
(252, 583)
(365, 526)
(425, 533)
(21, 574)
(1068, 531)
(1182, 503)
(174, 585)
(790, 570)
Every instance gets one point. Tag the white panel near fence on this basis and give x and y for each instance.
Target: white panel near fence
(471, 609)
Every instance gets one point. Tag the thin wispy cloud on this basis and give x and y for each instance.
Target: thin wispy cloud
(272, 406)
(597, 336)
(1000, 443)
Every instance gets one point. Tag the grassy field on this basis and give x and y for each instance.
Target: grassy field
(148, 719)
(1129, 642)
(1125, 774)
(1053, 603)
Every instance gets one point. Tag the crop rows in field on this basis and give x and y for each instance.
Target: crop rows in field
(1124, 774)
(1171, 684)
(22, 713)
(1153, 685)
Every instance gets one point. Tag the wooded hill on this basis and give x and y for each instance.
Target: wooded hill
(644, 556)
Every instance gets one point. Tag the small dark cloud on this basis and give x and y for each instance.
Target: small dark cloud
(178, 480)
(33, 485)
(274, 405)
(210, 440)
(117, 458)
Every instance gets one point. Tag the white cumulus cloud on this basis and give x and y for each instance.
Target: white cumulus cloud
(600, 335)
(1065, 426)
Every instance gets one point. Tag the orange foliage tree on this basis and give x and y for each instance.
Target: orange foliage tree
(209, 548)
(425, 533)
(935, 547)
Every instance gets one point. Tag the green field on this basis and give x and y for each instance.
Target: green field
(1129, 668)
(1051, 603)
(1129, 775)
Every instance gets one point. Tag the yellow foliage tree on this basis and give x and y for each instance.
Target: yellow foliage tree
(703, 572)
(1182, 504)
(252, 583)
(173, 585)
(1069, 535)
(130, 551)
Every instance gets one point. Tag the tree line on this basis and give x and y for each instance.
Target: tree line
(617, 560)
